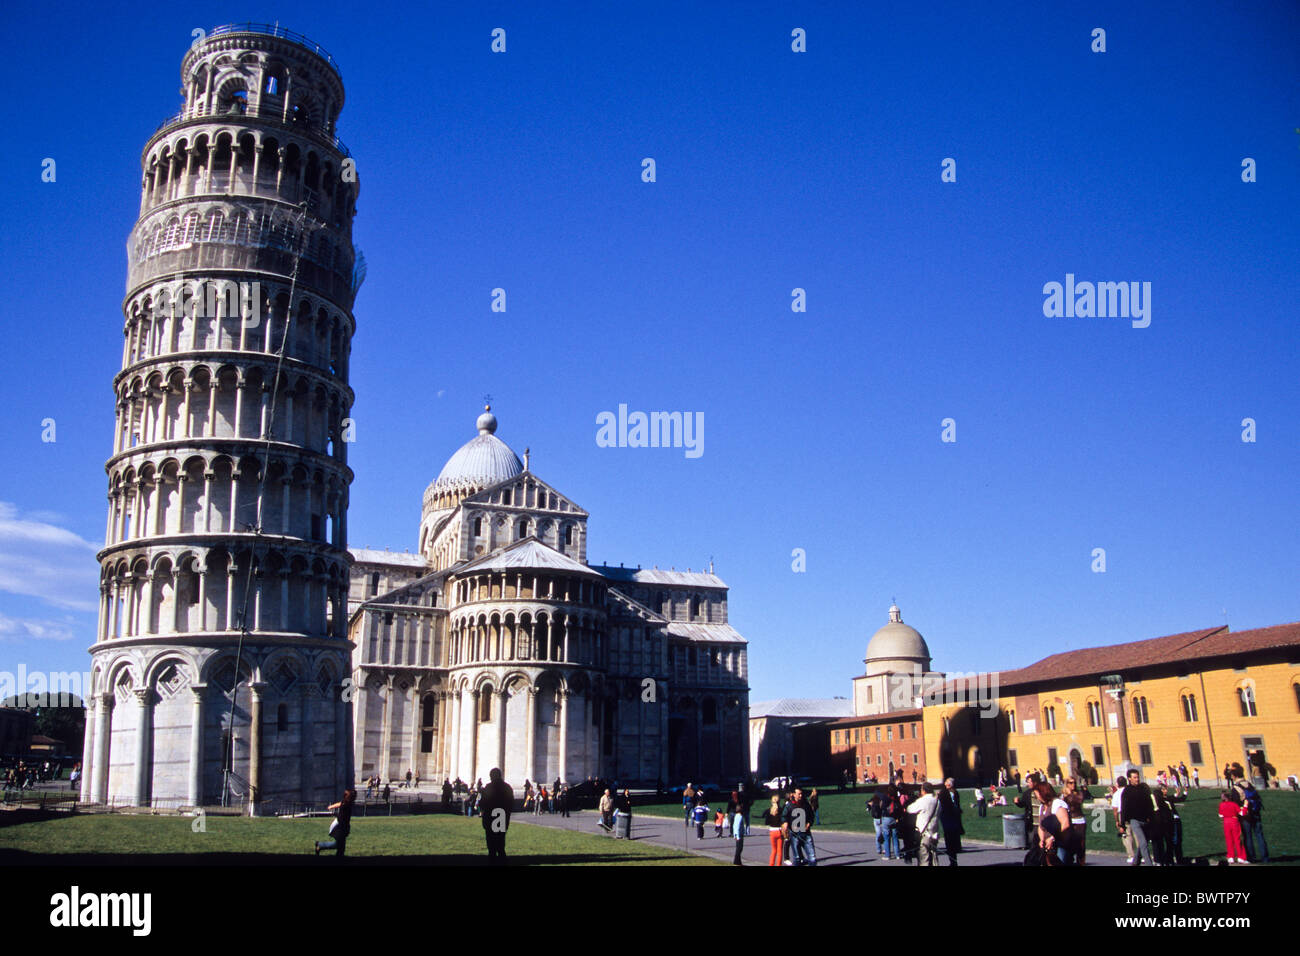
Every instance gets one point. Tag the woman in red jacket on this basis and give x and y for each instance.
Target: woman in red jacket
(1231, 812)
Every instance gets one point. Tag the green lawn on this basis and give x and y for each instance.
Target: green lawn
(1202, 829)
(439, 840)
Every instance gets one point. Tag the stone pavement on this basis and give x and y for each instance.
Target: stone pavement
(833, 847)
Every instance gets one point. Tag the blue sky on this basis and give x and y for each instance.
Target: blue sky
(775, 170)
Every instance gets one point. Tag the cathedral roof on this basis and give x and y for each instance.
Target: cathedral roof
(711, 633)
(483, 460)
(695, 579)
(527, 554)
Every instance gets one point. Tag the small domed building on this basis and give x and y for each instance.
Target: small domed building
(498, 645)
(897, 668)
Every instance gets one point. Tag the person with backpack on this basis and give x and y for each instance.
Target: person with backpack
(1252, 821)
(926, 811)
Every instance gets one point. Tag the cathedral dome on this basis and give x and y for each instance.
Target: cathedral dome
(482, 461)
(896, 647)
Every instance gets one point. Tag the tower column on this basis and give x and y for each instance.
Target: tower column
(196, 745)
(530, 737)
(502, 696)
(255, 747)
(103, 740)
(143, 732)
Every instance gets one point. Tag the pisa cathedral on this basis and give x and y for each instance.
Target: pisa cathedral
(229, 602)
(498, 645)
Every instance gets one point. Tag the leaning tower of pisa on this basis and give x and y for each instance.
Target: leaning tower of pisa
(222, 644)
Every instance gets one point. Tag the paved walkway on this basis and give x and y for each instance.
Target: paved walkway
(833, 847)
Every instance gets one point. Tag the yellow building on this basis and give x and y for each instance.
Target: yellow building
(1204, 699)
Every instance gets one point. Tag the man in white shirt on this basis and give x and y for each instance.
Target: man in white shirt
(1115, 800)
(926, 810)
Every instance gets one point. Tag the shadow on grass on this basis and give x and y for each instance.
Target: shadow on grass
(325, 860)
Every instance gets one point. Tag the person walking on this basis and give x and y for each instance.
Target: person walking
(875, 807)
(563, 801)
(446, 795)
(926, 810)
(408, 779)
(775, 836)
(1230, 812)
(699, 813)
(981, 804)
(950, 820)
(1136, 808)
(495, 805)
(688, 803)
(606, 808)
(341, 826)
(890, 812)
(739, 829)
(1196, 778)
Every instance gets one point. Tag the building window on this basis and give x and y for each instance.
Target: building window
(889, 732)
(695, 606)
(1011, 758)
(877, 735)
(902, 759)
(1011, 722)
(1189, 708)
(1094, 714)
(879, 759)
(1296, 688)
(485, 704)
(1140, 713)
(868, 695)
(282, 718)
(374, 584)
(1144, 753)
(1246, 697)
(478, 527)
(914, 730)
(857, 738)
(1194, 752)
(916, 760)
(1098, 757)
(1052, 758)
(1049, 718)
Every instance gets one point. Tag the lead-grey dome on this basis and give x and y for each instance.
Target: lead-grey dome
(896, 646)
(482, 461)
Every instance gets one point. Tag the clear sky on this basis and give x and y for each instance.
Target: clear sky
(775, 170)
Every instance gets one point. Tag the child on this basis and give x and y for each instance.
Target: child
(698, 816)
(719, 821)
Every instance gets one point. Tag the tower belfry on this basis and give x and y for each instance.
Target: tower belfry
(225, 569)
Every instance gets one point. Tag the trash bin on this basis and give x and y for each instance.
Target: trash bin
(1015, 836)
(623, 826)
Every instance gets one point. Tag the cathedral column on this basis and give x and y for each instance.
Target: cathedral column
(255, 747)
(103, 743)
(530, 736)
(361, 700)
(564, 735)
(383, 761)
(142, 734)
(502, 695)
(413, 734)
(455, 706)
(196, 745)
(473, 737)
